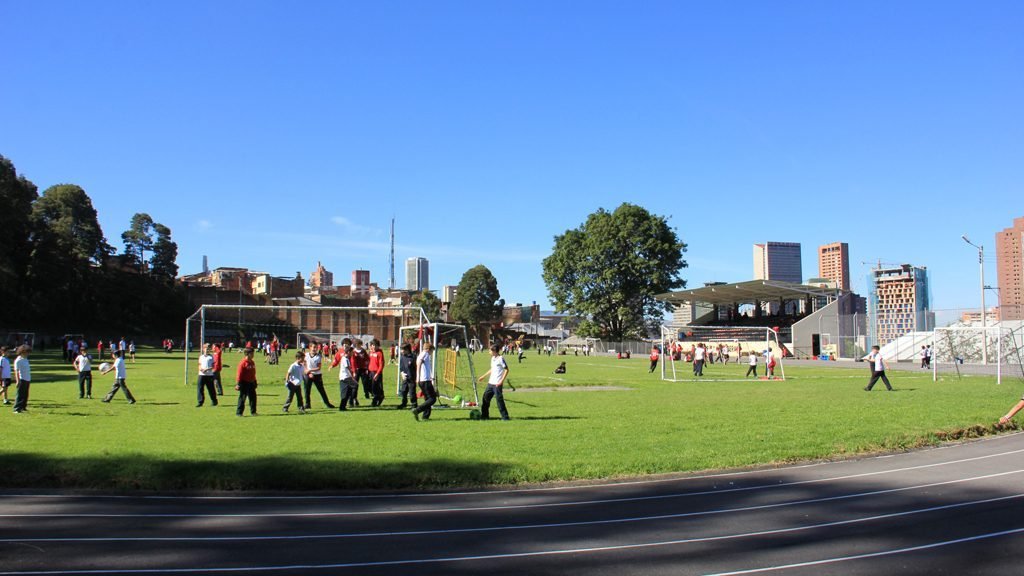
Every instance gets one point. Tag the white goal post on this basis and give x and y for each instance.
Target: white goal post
(996, 350)
(454, 373)
(677, 341)
(231, 322)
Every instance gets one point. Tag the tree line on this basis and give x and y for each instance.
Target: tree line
(59, 275)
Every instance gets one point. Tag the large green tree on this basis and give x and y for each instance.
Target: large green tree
(138, 239)
(477, 300)
(430, 303)
(16, 197)
(67, 246)
(610, 268)
(165, 252)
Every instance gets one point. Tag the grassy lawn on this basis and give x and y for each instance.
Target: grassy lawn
(164, 443)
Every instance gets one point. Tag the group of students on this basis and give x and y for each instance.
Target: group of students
(355, 365)
(19, 373)
(74, 347)
(699, 355)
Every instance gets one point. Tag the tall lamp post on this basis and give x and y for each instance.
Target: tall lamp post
(984, 315)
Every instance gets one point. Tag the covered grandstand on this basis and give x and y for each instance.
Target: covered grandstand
(820, 321)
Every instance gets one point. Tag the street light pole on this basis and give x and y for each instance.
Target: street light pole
(984, 314)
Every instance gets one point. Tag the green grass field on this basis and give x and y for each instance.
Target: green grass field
(559, 431)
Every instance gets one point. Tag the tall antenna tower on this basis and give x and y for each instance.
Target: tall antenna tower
(391, 257)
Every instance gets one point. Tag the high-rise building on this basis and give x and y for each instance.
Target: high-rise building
(834, 264)
(321, 277)
(778, 261)
(898, 303)
(417, 274)
(1010, 268)
(448, 293)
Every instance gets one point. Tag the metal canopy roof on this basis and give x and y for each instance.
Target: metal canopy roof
(748, 292)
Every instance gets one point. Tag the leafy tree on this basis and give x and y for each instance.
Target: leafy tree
(16, 197)
(430, 303)
(67, 243)
(610, 268)
(138, 238)
(64, 215)
(165, 252)
(477, 300)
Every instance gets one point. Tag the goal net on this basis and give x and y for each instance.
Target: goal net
(727, 352)
(14, 339)
(966, 351)
(235, 326)
(454, 373)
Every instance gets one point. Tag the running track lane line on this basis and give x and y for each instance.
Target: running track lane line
(586, 550)
(500, 528)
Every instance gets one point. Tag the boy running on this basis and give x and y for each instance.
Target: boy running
(120, 375)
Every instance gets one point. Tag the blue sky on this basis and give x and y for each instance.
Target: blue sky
(272, 134)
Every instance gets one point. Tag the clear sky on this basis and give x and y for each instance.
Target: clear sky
(271, 135)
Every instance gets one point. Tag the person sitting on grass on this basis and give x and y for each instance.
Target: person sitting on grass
(560, 369)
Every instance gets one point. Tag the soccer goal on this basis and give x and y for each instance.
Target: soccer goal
(14, 339)
(238, 324)
(454, 373)
(963, 351)
(679, 342)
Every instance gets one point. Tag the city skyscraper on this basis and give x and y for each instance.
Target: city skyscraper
(417, 274)
(778, 261)
(834, 264)
(1010, 270)
(898, 303)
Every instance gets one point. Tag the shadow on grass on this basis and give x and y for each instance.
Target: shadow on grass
(291, 473)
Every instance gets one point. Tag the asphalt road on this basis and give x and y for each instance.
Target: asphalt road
(952, 510)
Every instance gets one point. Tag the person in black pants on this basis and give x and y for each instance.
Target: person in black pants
(22, 378)
(84, 366)
(878, 369)
(498, 374)
(315, 377)
(246, 384)
(407, 368)
(425, 379)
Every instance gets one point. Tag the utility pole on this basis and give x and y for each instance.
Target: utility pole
(984, 314)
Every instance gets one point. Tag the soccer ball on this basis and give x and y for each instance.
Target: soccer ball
(457, 399)
(104, 367)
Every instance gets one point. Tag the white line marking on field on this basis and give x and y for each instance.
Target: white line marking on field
(510, 527)
(586, 550)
